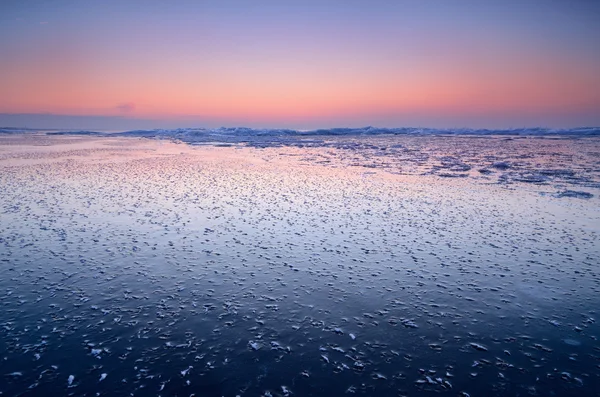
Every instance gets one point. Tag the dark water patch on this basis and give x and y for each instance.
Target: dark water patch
(574, 194)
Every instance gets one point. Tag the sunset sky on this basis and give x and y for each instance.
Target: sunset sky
(299, 64)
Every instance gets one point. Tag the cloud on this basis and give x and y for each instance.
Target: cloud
(44, 23)
(125, 107)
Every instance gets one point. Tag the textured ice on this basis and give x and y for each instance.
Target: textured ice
(315, 267)
(192, 134)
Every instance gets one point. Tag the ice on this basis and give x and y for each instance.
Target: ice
(254, 345)
(96, 352)
(477, 346)
(245, 133)
(409, 324)
(186, 371)
(376, 263)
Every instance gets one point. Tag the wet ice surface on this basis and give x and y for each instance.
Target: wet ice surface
(558, 161)
(136, 267)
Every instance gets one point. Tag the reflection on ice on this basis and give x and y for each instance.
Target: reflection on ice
(355, 266)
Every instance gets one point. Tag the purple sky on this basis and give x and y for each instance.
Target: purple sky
(299, 64)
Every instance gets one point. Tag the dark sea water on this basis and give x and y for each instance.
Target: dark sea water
(373, 266)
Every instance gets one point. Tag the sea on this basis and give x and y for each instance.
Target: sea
(341, 262)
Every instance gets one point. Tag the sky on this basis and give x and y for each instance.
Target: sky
(299, 64)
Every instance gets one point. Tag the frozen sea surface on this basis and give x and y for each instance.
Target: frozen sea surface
(372, 265)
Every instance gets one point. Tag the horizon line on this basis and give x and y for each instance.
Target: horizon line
(233, 127)
(71, 122)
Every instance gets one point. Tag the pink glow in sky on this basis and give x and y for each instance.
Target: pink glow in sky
(303, 64)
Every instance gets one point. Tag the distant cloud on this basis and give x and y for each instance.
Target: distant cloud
(44, 23)
(126, 107)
